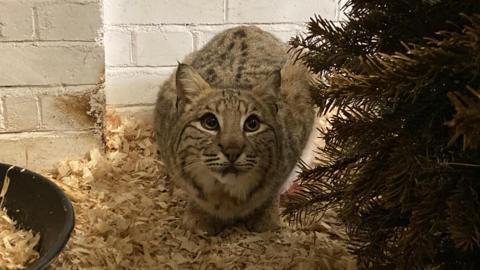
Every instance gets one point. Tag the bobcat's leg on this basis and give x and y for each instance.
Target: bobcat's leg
(266, 219)
(198, 221)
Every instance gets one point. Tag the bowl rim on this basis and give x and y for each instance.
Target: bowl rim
(43, 261)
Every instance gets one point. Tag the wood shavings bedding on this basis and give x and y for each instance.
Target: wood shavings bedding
(17, 247)
(127, 219)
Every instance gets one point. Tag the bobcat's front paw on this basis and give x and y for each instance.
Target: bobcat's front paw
(266, 220)
(198, 221)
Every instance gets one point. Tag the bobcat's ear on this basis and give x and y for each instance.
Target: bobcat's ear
(189, 84)
(269, 89)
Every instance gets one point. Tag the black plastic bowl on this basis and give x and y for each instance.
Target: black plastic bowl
(36, 203)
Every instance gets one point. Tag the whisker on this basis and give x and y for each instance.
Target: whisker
(245, 166)
(212, 159)
(186, 167)
(217, 164)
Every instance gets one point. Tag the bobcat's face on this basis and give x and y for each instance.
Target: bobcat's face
(232, 135)
(228, 135)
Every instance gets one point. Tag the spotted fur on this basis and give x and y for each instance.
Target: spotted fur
(244, 85)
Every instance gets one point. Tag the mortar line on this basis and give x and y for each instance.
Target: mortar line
(195, 39)
(26, 155)
(1, 29)
(133, 48)
(136, 67)
(38, 102)
(129, 106)
(165, 26)
(225, 11)
(46, 85)
(56, 42)
(35, 23)
(44, 133)
(167, 68)
(5, 112)
(2, 114)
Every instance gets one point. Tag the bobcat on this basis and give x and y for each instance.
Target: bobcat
(231, 123)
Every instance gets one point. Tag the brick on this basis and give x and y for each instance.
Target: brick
(66, 112)
(21, 113)
(267, 11)
(162, 48)
(163, 12)
(16, 21)
(45, 152)
(130, 88)
(69, 21)
(118, 48)
(31, 64)
(13, 152)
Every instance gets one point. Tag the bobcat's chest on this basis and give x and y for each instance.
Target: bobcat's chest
(229, 199)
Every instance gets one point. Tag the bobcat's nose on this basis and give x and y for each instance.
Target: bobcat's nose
(231, 144)
(232, 152)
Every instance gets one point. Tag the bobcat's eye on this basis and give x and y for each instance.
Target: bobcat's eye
(251, 124)
(209, 121)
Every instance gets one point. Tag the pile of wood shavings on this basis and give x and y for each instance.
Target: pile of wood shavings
(17, 247)
(126, 218)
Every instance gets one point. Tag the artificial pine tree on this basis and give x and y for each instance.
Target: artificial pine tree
(401, 162)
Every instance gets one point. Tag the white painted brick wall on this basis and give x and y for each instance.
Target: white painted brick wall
(50, 63)
(161, 48)
(119, 52)
(50, 58)
(16, 21)
(126, 81)
(144, 39)
(66, 21)
(138, 12)
(267, 11)
(22, 113)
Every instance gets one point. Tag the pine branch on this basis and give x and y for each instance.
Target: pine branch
(406, 189)
(464, 217)
(466, 121)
